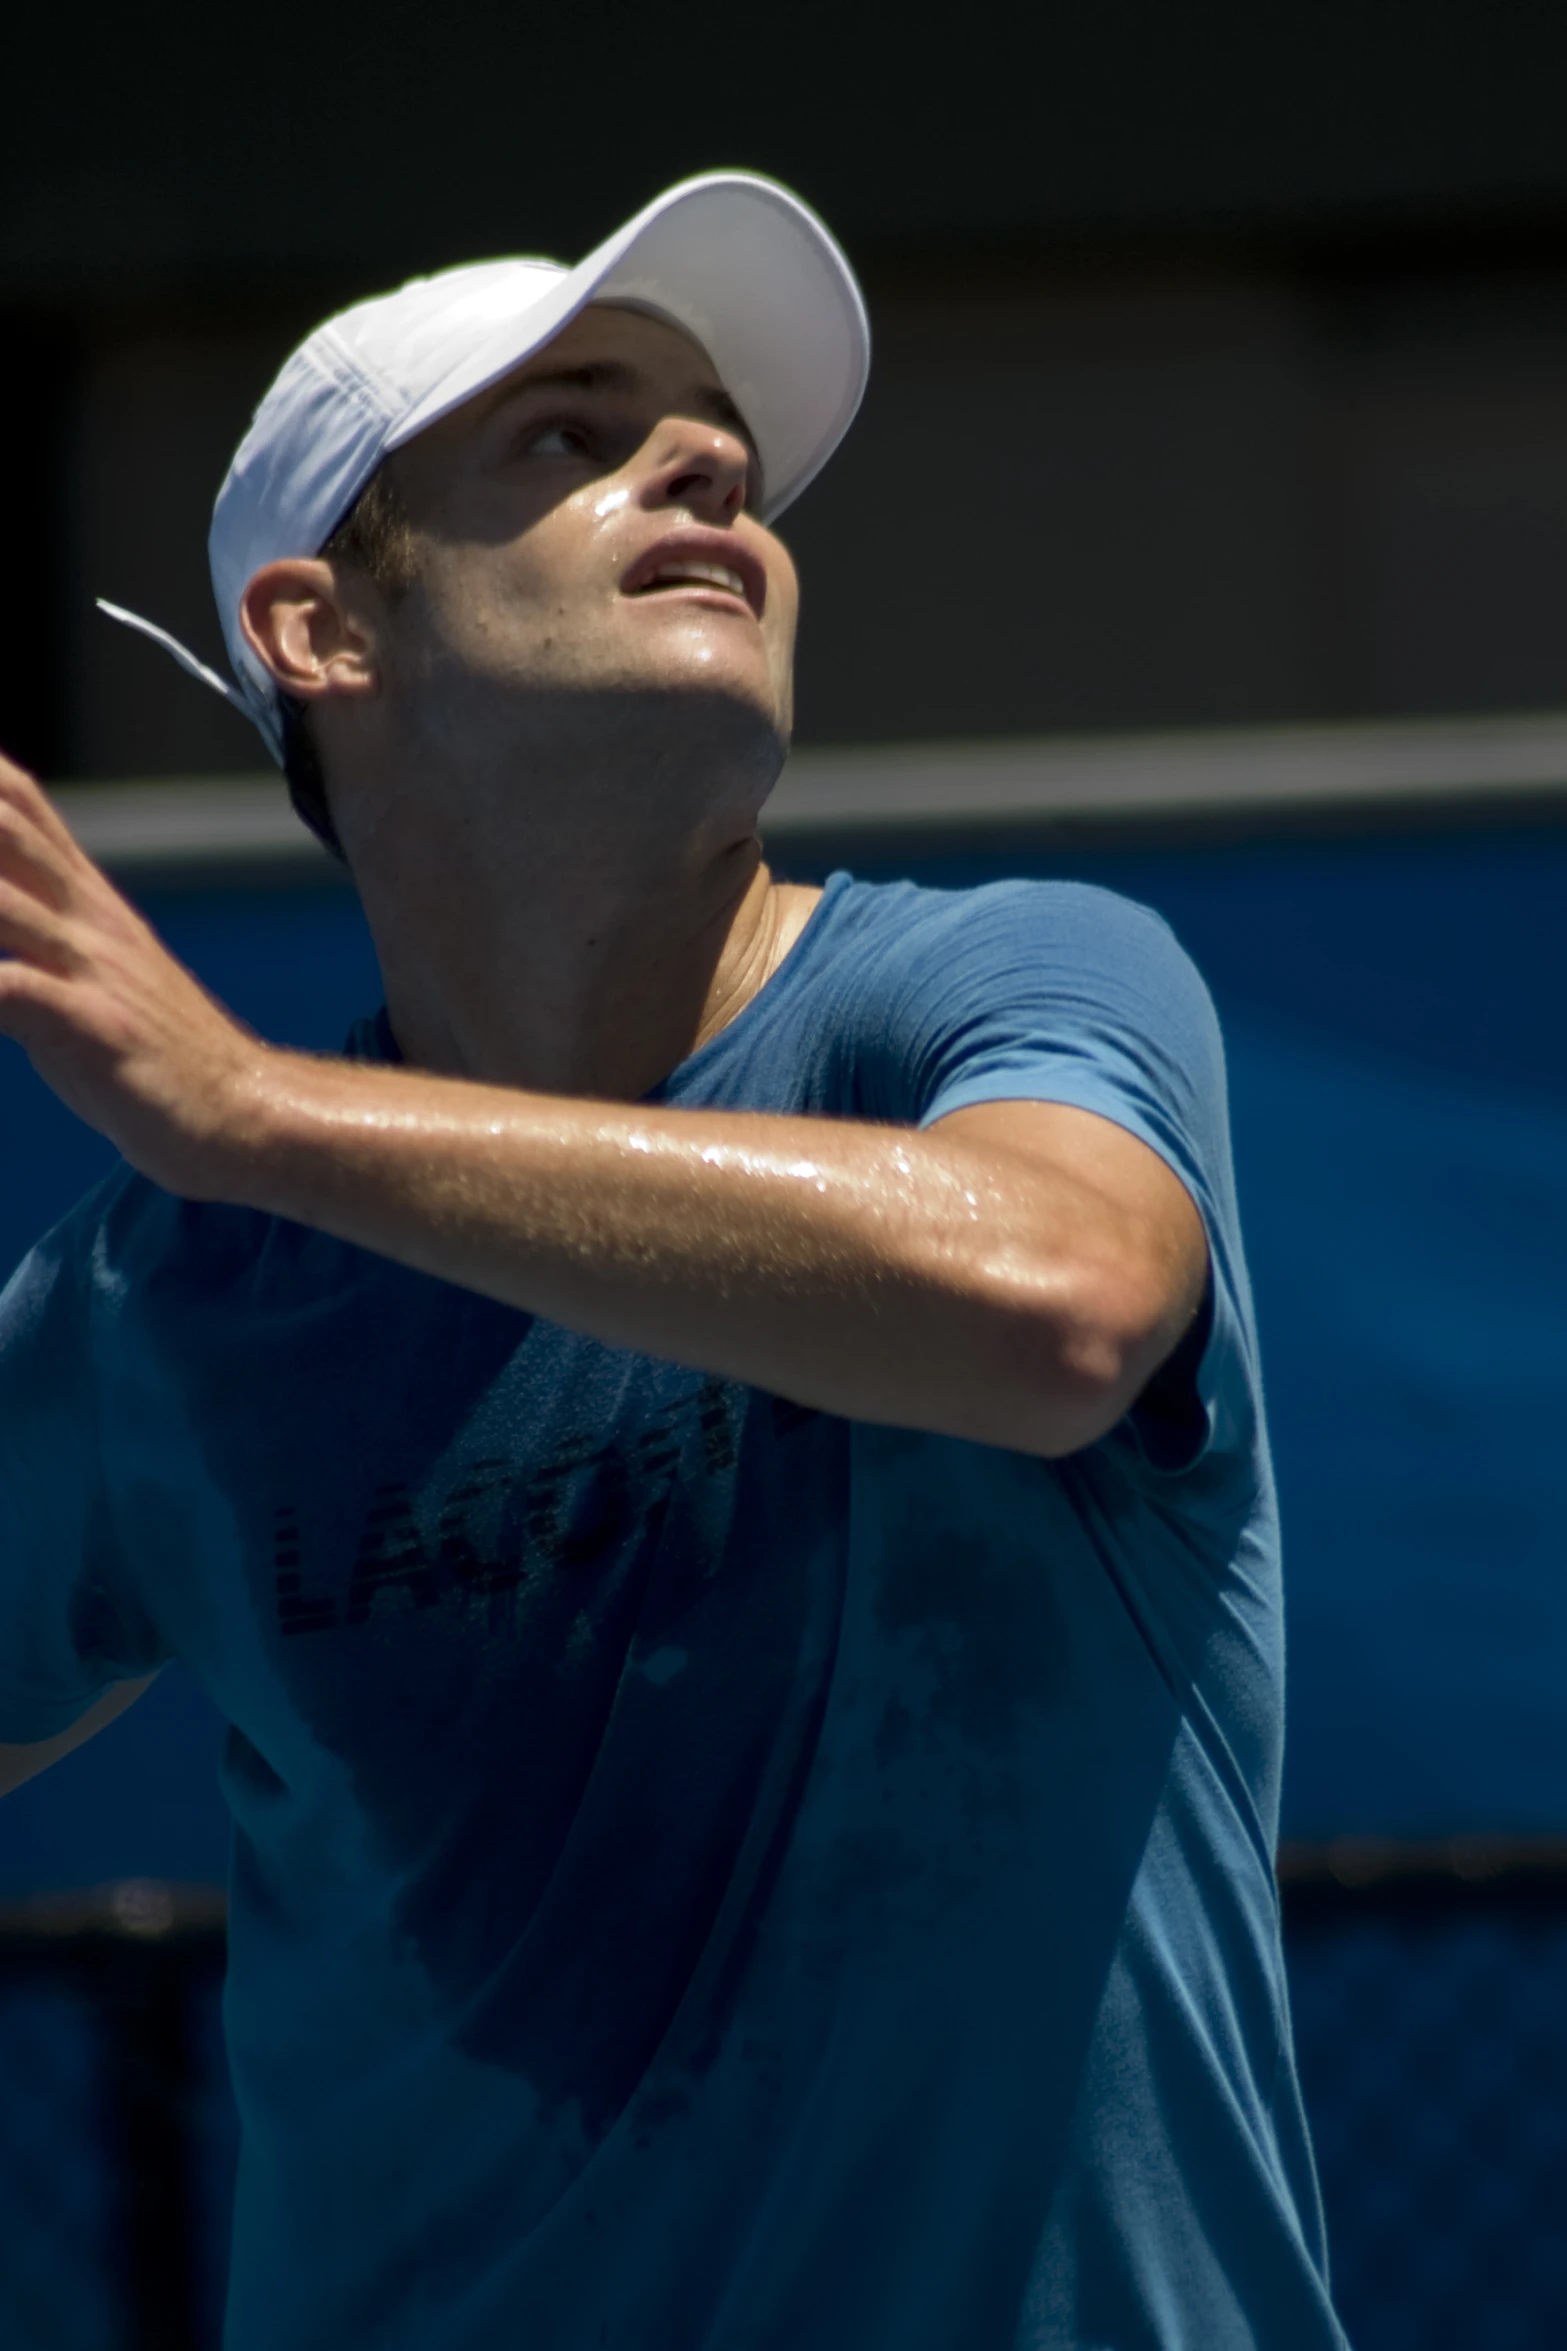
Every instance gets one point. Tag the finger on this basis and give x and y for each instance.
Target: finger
(34, 931)
(34, 1005)
(29, 858)
(24, 794)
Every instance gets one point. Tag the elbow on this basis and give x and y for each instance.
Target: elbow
(1092, 1383)
(1076, 1360)
(1076, 1390)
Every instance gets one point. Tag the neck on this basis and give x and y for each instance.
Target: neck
(563, 937)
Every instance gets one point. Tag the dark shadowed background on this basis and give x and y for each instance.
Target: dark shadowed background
(1221, 350)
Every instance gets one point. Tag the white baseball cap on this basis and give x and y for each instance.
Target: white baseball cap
(739, 263)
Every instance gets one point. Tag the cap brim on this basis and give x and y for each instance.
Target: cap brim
(753, 276)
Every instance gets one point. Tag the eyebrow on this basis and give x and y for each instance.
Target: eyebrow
(615, 375)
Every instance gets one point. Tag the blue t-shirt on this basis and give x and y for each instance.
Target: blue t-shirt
(708, 1875)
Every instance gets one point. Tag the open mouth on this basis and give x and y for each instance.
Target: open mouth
(686, 574)
(699, 560)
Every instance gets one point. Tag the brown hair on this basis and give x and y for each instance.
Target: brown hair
(374, 536)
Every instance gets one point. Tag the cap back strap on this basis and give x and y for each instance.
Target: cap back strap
(195, 668)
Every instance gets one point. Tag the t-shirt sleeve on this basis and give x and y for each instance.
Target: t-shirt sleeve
(64, 1634)
(1058, 992)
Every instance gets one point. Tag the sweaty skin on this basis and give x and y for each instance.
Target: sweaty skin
(547, 755)
(1014, 1274)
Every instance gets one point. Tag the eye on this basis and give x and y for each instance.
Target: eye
(558, 439)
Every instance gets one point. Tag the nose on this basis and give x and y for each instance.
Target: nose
(703, 467)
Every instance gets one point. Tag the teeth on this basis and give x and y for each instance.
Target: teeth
(715, 575)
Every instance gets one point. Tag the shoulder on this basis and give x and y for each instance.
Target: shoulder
(1062, 945)
(1019, 986)
(908, 919)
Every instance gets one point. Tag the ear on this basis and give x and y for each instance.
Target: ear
(315, 643)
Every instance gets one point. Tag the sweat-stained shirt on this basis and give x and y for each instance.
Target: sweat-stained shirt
(709, 1875)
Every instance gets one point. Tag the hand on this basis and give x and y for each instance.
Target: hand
(120, 1030)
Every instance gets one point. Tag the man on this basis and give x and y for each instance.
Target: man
(714, 1466)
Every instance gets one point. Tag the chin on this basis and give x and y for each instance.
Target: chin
(699, 705)
(734, 735)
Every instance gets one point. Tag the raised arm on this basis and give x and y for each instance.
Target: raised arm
(1015, 1274)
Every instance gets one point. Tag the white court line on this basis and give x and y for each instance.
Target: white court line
(1238, 774)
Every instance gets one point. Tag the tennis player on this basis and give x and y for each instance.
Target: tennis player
(714, 1462)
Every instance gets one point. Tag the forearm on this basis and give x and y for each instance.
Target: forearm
(1013, 1276)
(24, 1760)
(877, 1272)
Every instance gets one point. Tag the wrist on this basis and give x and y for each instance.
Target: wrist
(243, 1141)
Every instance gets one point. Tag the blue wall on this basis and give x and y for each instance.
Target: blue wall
(1395, 1014)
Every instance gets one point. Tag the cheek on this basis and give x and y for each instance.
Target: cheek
(508, 546)
(781, 618)
(485, 600)
(533, 572)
